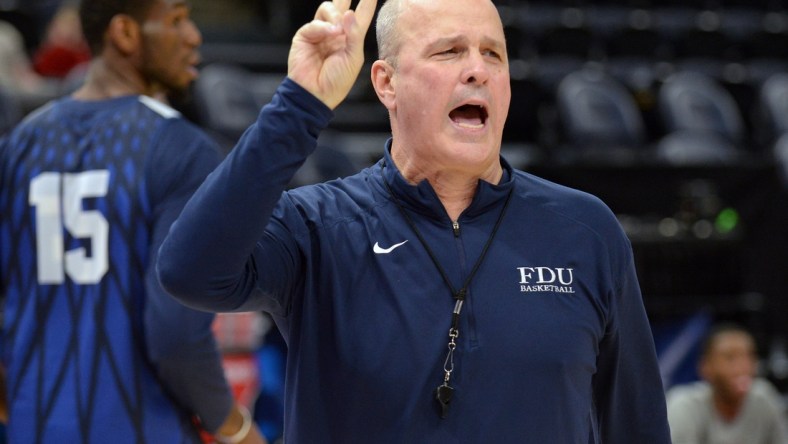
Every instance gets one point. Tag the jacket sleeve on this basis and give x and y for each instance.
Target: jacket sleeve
(628, 392)
(209, 260)
(179, 342)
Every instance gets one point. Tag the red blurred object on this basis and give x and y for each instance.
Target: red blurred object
(240, 332)
(57, 61)
(239, 336)
(243, 375)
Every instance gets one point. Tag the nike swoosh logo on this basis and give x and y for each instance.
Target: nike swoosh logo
(380, 250)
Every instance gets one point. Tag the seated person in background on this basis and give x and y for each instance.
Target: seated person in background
(730, 405)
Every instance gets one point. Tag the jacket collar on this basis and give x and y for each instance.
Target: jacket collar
(423, 199)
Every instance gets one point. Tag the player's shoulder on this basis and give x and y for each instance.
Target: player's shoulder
(159, 107)
(765, 390)
(174, 128)
(688, 394)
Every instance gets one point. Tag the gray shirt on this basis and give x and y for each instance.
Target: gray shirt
(693, 419)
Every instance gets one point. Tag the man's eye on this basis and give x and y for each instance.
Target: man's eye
(179, 19)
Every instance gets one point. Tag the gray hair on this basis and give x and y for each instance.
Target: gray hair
(385, 33)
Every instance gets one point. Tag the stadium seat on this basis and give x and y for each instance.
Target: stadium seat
(692, 101)
(599, 115)
(696, 148)
(703, 122)
(781, 158)
(774, 105)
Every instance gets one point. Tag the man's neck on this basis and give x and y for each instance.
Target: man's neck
(105, 81)
(455, 189)
(455, 194)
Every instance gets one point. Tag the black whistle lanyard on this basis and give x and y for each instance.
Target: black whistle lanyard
(444, 392)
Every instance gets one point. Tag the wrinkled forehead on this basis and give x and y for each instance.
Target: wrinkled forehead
(445, 17)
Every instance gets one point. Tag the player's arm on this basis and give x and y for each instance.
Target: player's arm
(179, 340)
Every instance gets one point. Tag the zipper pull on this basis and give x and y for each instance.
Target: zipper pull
(456, 227)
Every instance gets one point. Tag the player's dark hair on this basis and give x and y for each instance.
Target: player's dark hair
(716, 331)
(95, 16)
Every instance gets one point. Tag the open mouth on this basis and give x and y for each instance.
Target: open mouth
(469, 116)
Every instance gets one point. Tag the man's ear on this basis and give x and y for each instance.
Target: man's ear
(124, 34)
(383, 81)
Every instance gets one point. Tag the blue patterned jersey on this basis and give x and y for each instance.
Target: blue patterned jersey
(93, 347)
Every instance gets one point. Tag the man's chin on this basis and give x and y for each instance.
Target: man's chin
(738, 388)
(742, 385)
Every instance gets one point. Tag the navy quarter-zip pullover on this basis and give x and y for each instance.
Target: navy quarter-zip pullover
(554, 343)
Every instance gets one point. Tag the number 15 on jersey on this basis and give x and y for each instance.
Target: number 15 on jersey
(57, 198)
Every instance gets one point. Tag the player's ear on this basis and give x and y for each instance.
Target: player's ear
(124, 33)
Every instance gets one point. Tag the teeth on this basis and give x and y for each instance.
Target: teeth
(468, 125)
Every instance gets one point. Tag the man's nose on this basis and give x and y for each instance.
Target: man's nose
(193, 36)
(477, 70)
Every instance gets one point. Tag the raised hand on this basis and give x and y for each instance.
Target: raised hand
(327, 53)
